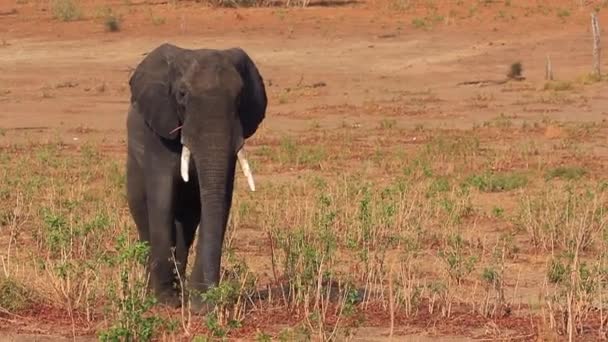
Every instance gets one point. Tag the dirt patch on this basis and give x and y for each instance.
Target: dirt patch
(367, 90)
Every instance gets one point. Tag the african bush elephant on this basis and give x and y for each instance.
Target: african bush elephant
(190, 113)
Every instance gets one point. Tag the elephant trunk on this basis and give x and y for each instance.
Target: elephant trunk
(215, 163)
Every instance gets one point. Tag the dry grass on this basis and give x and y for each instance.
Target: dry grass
(499, 229)
(405, 234)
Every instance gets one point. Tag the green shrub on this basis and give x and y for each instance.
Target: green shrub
(566, 172)
(497, 182)
(112, 23)
(13, 296)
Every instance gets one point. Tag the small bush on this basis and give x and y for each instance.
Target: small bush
(234, 3)
(66, 10)
(558, 85)
(563, 14)
(418, 23)
(13, 296)
(158, 20)
(566, 172)
(112, 23)
(515, 70)
(498, 212)
(557, 271)
(590, 78)
(441, 184)
(497, 182)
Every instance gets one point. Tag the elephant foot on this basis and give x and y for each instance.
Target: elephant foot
(200, 303)
(169, 299)
(199, 307)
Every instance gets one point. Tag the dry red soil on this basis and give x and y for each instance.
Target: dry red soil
(327, 64)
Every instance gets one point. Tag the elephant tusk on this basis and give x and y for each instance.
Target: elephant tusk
(185, 163)
(246, 170)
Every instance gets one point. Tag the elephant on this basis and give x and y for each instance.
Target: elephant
(190, 112)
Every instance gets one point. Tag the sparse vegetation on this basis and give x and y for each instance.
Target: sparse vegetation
(590, 78)
(497, 182)
(563, 13)
(14, 297)
(558, 85)
(387, 124)
(339, 223)
(374, 206)
(158, 20)
(566, 172)
(239, 3)
(111, 20)
(112, 23)
(66, 10)
(515, 71)
(428, 21)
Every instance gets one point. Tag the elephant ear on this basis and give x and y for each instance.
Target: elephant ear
(253, 101)
(151, 91)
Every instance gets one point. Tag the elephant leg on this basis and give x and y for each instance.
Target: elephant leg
(161, 210)
(187, 218)
(136, 198)
(136, 184)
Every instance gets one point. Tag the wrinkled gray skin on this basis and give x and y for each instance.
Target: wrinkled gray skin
(219, 98)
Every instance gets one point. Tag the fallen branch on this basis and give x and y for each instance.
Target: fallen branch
(27, 128)
(514, 74)
(490, 82)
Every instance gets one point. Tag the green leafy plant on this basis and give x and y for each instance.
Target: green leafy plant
(130, 302)
(460, 263)
(497, 182)
(14, 296)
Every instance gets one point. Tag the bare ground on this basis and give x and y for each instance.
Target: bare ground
(326, 68)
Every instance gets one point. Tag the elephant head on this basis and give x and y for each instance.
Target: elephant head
(208, 102)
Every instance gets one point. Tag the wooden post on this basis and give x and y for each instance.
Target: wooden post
(548, 70)
(595, 26)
